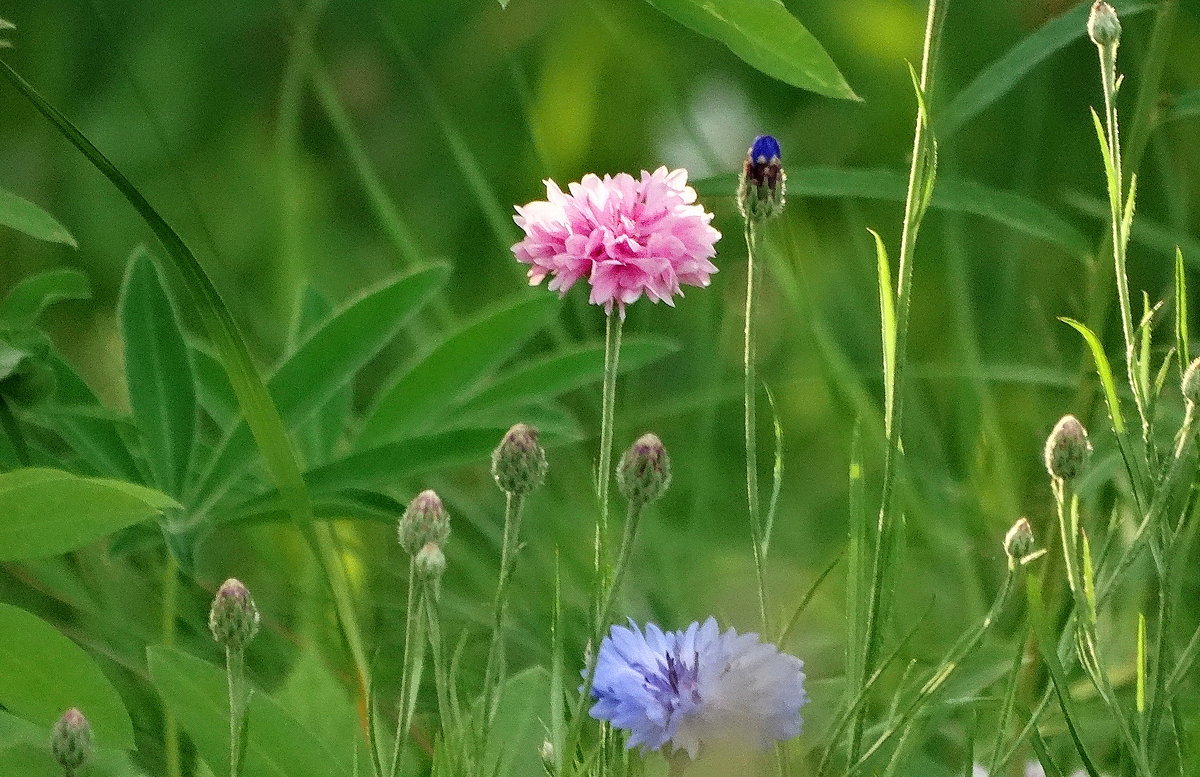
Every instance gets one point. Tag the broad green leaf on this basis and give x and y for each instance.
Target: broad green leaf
(958, 195)
(95, 437)
(767, 37)
(519, 730)
(46, 511)
(565, 371)
(42, 674)
(159, 373)
(212, 387)
(326, 362)
(452, 369)
(23, 216)
(320, 435)
(34, 294)
(1002, 75)
(318, 701)
(276, 744)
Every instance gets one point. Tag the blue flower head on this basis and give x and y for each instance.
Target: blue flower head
(762, 186)
(680, 689)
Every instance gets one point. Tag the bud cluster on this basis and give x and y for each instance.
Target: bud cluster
(1067, 449)
(644, 472)
(234, 618)
(762, 187)
(519, 462)
(71, 741)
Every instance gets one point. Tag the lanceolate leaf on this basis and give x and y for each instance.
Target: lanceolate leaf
(452, 369)
(276, 745)
(766, 37)
(158, 369)
(326, 362)
(23, 216)
(96, 439)
(42, 673)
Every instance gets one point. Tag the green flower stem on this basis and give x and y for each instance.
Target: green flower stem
(13, 431)
(749, 389)
(612, 354)
(406, 669)
(235, 662)
(919, 187)
(495, 671)
(1120, 241)
(448, 713)
(170, 615)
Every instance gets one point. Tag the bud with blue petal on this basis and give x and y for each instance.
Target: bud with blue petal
(762, 187)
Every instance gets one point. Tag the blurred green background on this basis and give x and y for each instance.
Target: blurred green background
(406, 139)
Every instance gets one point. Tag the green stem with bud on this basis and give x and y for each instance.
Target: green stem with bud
(749, 389)
(604, 474)
(406, 667)
(495, 670)
(235, 663)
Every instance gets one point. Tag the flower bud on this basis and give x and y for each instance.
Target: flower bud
(423, 522)
(519, 463)
(430, 563)
(645, 471)
(1067, 449)
(1191, 382)
(546, 751)
(233, 618)
(762, 187)
(71, 740)
(1103, 26)
(1019, 541)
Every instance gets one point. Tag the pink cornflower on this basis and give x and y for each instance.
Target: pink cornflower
(626, 236)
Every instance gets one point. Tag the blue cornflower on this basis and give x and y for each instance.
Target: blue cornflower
(681, 689)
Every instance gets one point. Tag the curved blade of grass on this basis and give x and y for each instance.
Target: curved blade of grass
(958, 195)
(1001, 76)
(765, 36)
(1182, 340)
(25, 303)
(1145, 232)
(260, 412)
(23, 216)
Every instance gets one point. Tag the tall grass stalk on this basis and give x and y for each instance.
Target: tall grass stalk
(749, 390)
(920, 189)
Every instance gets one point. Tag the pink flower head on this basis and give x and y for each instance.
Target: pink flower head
(627, 237)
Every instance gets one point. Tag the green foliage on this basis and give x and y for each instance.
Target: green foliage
(767, 37)
(49, 511)
(42, 674)
(22, 215)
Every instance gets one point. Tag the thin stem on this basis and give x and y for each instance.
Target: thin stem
(170, 614)
(922, 168)
(750, 387)
(234, 664)
(441, 676)
(13, 430)
(612, 354)
(494, 672)
(410, 616)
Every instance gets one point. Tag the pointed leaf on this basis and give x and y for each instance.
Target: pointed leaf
(158, 368)
(453, 368)
(768, 38)
(23, 216)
